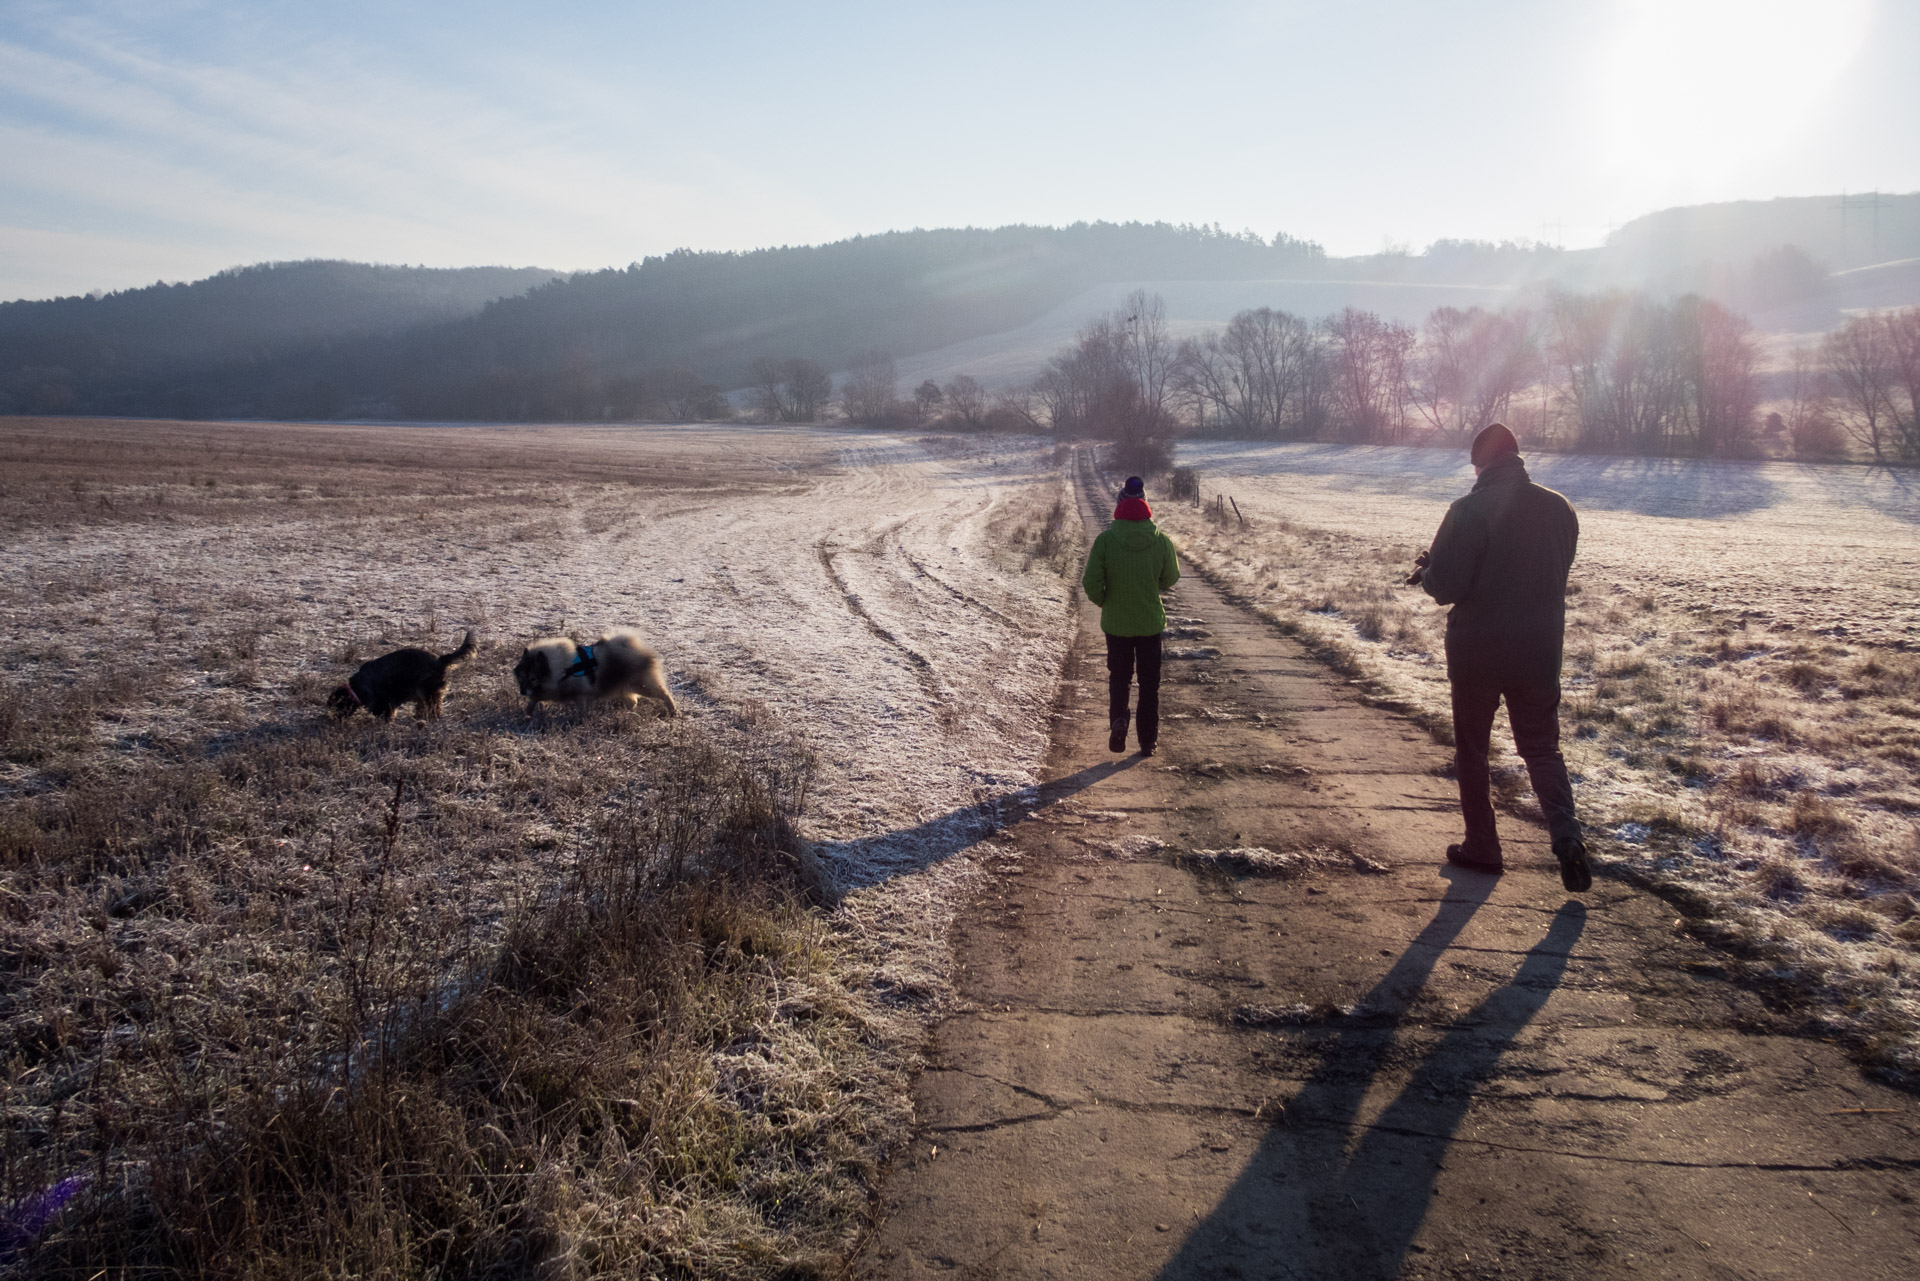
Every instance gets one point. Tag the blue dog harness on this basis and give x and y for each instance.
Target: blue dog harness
(586, 665)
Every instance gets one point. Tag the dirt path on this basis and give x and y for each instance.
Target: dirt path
(1344, 1060)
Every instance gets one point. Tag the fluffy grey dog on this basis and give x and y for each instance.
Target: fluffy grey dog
(618, 665)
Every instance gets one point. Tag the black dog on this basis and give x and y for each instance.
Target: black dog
(404, 676)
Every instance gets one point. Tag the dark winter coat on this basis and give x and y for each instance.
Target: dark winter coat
(1131, 563)
(1501, 560)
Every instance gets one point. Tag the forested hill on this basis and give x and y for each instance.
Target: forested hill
(330, 339)
(67, 353)
(706, 315)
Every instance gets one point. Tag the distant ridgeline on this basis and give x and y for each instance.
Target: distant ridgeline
(335, 339)
(661, 337)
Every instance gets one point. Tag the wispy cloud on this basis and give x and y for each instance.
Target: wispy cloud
(190, 135)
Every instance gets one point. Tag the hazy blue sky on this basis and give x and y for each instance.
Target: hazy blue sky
(168, 139)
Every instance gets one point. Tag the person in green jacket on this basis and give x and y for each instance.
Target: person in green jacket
(1131, 563)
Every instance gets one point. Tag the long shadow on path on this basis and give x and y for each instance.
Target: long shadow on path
(1312, 1201)
(871, 860)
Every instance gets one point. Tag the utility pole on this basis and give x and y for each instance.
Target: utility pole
(1870, 201)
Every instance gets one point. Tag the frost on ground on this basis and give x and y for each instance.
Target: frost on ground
(179, 599)
(1742, 679)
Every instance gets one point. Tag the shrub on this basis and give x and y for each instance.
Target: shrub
(1184, 483)
(1818, 437)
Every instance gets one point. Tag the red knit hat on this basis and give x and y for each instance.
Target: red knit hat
(1492, 442)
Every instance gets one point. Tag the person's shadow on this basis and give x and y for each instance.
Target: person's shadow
(871, 860)
(1312, 1201)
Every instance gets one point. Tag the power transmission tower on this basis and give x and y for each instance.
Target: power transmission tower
(1870, 201)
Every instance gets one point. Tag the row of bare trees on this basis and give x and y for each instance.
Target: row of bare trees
(1617, 372)
(1632, 374)
(869, 395)
(1614, 371)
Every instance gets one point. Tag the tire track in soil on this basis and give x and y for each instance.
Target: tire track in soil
(1157, 1068)
(966, 598)
(923, 668)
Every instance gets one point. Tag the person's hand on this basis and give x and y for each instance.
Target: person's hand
(1419, 569)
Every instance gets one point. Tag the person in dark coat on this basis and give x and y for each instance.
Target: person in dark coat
(1501, 560)
(1129, 565)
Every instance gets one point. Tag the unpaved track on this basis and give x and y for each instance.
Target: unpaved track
(1528, 1084)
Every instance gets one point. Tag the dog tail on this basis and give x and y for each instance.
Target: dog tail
(460, 655)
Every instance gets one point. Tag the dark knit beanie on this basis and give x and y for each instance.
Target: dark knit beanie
(1133, 488)
(1492, 442)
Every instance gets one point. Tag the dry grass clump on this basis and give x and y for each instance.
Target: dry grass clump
(1754, 751)
(1044, 535)
(655, 1072)
(1042, 530)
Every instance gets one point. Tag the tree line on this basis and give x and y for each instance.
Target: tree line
(1618, 371)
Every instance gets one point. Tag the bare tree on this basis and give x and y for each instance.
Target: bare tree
(1902, 330)
(808, 387)
(870, 388)
(1370, 368)
(1807, 393)
(1721, 361)
(1470, 366)
(967, 398)
(1624, 361)
(1808, 419)
(1141, 323)
(1015, 409)
(927, 398)
(1440, 387)
(769, 388)
(1249, 377)
(793, 390)
(1860, 367)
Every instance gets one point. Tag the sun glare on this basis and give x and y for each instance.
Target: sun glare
(1710, 86)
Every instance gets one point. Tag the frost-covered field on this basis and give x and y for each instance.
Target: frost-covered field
(869, 590)
(193, 855)
(1743, 687)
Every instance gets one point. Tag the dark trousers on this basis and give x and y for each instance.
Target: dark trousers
(1534, 709)
(1125, 655)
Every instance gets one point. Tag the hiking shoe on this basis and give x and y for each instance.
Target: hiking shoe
(1575, 873)
(1117, 736)
(1146, 749)
(1474, 860)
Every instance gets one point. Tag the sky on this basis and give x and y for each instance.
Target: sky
(168, 139)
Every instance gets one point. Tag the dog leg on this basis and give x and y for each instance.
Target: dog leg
(656, 690)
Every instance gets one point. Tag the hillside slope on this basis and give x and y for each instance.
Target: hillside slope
(65, 354)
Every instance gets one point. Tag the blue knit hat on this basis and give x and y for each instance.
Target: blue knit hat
(1133, 488)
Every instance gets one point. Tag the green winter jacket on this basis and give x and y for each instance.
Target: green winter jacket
(1131, 563)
